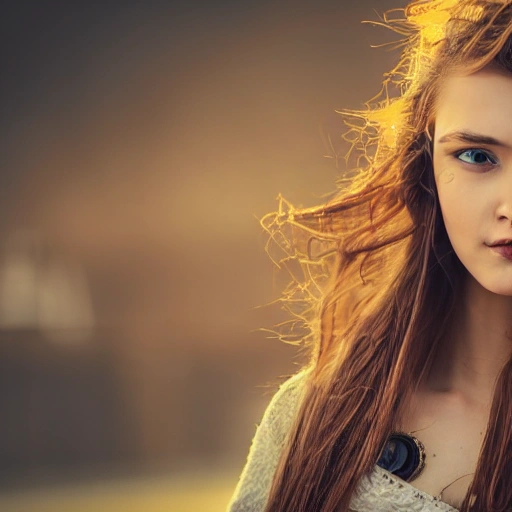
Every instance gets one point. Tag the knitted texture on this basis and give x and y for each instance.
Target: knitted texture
(381, 490)
(253, 486)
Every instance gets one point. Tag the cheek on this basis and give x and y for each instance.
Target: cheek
(458, 207)
(445, 176)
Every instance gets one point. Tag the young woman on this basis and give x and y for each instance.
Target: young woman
(406, 402)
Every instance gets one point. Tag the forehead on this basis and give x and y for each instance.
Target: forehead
(480, 102)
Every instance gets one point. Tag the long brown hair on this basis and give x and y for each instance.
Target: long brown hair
(379, 276)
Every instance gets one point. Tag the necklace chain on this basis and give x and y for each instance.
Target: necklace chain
(440, 495)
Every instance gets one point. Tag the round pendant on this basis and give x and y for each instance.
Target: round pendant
(403, 455)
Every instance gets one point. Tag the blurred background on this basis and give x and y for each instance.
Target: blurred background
(140, 144)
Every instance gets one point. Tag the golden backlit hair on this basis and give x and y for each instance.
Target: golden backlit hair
(374, 276)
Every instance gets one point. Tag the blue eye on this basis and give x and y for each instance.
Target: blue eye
(476, 156)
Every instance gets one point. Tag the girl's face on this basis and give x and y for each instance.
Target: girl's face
(473, 172)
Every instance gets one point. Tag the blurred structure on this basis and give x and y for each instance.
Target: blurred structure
(60, 395)
(140, 145)
(39, 290)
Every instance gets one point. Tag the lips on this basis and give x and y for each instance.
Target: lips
(503, 250)
(503, 241)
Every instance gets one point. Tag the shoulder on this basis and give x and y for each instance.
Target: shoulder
(284, 405)
(267, 444)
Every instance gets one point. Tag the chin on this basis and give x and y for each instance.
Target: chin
(488, 283)
(506, 292)
(502, 288)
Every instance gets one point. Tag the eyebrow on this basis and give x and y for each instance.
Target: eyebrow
(473, 138)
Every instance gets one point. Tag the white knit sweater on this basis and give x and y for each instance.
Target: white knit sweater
(380, 491)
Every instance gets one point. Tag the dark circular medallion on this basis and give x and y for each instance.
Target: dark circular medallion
(403, 455)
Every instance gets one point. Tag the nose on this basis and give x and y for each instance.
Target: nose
(504, 208)
(503, 193)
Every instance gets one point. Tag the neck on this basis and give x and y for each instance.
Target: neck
(477, 344)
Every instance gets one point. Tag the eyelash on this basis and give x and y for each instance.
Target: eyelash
(492, 160)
